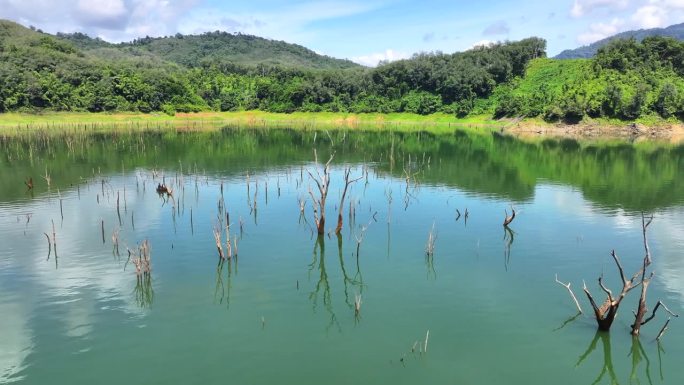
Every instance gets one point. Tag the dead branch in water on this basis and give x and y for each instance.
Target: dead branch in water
(606, 313)
(430, 246)
(347, 183)
(47, 178)
(508, 219)
(357, 305)
(572, 294)
(663, 329)
(49, 246)
(645, 281)
(142, 256)
(219, 243)
(115, 242)
(323, 184)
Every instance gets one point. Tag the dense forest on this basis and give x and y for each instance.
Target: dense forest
(627, 79)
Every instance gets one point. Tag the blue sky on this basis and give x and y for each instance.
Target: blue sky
(362, 30)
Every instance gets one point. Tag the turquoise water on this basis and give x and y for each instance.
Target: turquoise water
(283, 310)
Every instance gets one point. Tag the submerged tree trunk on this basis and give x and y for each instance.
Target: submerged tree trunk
(323, 183)
(606, 313)
(347, 183)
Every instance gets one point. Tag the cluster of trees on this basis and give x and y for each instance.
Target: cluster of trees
(46, 72)
(627, 79)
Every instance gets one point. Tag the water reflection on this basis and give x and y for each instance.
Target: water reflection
(640, 364)
(90, 287)
(607, 366)
(509, 238)
(355, 282)
(490, 165)
(322, 288)
(143, 291)
(16, 341)
(222, 290)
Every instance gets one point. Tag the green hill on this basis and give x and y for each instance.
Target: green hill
(194, 50)
(674, 31)
(627, 80)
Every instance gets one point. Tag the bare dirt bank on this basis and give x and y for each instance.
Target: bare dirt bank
(673, 133)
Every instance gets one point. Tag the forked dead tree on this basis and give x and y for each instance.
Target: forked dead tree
(605, 313)
(323, 183)
(347, 182)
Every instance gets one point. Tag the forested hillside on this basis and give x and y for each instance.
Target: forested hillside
(210, 47)
(626, 80)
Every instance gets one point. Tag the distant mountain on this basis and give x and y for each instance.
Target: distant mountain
(185, 50)
(675, 31)
(193, 50)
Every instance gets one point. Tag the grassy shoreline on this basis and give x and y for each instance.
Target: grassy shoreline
(209, 120)
(13, 124)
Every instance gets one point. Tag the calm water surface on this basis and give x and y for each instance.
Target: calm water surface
(283, 310)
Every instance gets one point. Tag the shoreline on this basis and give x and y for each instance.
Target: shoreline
(632, 132)
(12, 124)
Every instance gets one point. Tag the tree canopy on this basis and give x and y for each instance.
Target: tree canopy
(218, 71)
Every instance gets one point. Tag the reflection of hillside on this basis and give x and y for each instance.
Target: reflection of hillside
(609, 175)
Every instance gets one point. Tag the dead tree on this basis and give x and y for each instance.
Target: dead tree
(606, 313)
(323, 183)
(642, 309)
(508, 219)
(347, 183)
(645, 281)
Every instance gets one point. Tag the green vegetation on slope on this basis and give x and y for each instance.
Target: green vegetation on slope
(626, 81)
(210, 47)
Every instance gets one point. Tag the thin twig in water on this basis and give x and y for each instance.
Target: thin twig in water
(567, 286)
(430, 246)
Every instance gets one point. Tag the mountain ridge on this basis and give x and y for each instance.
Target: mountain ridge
(675, 31)
(187, 50)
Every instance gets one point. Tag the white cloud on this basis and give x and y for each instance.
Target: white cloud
(374, 59)
(650, 16)
(658, 13)
(102, 13)
(582, 7)
(598, 31)
(114, 20)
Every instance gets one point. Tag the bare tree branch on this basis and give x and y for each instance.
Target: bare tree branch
(567, 286)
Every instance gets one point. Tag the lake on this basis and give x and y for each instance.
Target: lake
(367, 306)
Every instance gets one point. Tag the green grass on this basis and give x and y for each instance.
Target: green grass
(60, 122)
